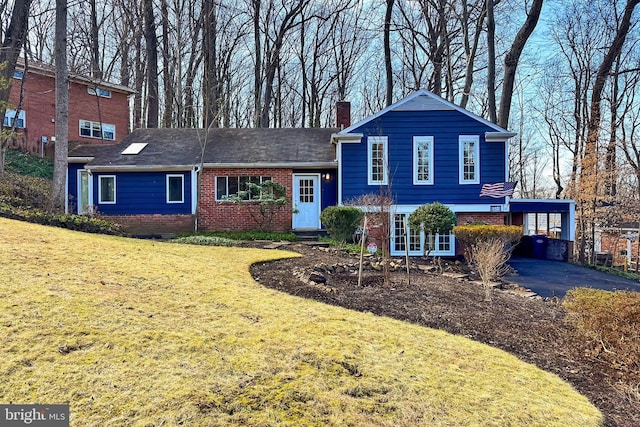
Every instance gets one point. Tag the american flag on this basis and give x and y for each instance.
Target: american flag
(498, 189)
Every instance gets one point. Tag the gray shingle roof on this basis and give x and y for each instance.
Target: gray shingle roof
(227, 146)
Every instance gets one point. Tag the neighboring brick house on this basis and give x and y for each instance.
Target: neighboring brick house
(619, 244)
(423, 149)
(98, 110)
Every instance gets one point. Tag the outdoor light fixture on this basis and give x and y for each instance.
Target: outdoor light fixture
(327, 176)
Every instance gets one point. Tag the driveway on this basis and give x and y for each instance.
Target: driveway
(555, 278)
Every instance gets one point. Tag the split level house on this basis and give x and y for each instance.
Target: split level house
(98, 110)
(423, 148)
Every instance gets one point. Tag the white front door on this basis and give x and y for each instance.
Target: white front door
(306, 202)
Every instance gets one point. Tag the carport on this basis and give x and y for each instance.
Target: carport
(549, 227)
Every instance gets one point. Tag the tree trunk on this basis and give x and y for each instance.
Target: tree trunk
(152, 64)
(211, 86)
(511, 61)
(491, 62)
(14, 37)
(588, 184)
(257, 69)
(96, 69)
(62, 109)
(167, 78)
(387, 51)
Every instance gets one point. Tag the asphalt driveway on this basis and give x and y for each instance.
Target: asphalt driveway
(555, 278)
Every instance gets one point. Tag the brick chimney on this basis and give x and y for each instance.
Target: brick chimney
(343, 114)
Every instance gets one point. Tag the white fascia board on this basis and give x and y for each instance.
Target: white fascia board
(570, 201)
(352, 138)
(424, 92)
(305, 165)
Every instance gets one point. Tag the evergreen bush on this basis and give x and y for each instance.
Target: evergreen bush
(341, 221)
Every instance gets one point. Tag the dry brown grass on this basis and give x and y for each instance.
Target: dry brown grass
(143, 333)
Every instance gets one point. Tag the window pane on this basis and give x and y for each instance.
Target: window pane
(233, 186)
(444, 242)
(469, 161)
(377, 173)
(306, 191)
(107, 189)
(221, 187)
(399, 232)
(175, 189)
(423, 161)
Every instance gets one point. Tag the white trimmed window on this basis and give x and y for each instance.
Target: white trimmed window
(238, 185)
(105, 93)
(107, 189)
(423, 160)
(91, 129)
(377, 160)
(437, 245)
(175, 188)
(469, 152)
(10, 118)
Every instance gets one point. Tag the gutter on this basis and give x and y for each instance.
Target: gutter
(498, 136)
(137, 168)
(306, 165)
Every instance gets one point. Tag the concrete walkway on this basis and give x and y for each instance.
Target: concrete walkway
(555, 278)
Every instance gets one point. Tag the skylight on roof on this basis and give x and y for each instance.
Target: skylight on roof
(135, 148)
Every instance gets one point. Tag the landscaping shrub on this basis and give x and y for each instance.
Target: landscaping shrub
(205, 241)
(488, 248)
(432, 218)
(21, 190)
(609, 322)
(481, 231)
(83, 223)
(250, 235)
(341, 221)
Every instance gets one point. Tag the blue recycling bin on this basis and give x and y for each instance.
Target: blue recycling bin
(540, 242)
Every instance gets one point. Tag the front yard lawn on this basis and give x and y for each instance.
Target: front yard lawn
(132, 332)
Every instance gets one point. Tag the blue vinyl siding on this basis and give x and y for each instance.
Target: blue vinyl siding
(72, 174)
(143, 193)
(400, 127)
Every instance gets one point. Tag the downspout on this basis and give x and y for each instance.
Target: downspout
(195, 195)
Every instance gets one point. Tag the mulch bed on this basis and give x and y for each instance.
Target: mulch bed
(528, 327)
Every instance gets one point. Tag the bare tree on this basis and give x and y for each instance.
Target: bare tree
(151, 41)
(96, 68)
(388, 67)
(12, 42)
(512, 58)
(589, 177)
(62, 108)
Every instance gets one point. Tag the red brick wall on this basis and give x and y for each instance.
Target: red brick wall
(39, 106)
(614, 243)
(488, 217)
(227, 216)
(151, 225)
